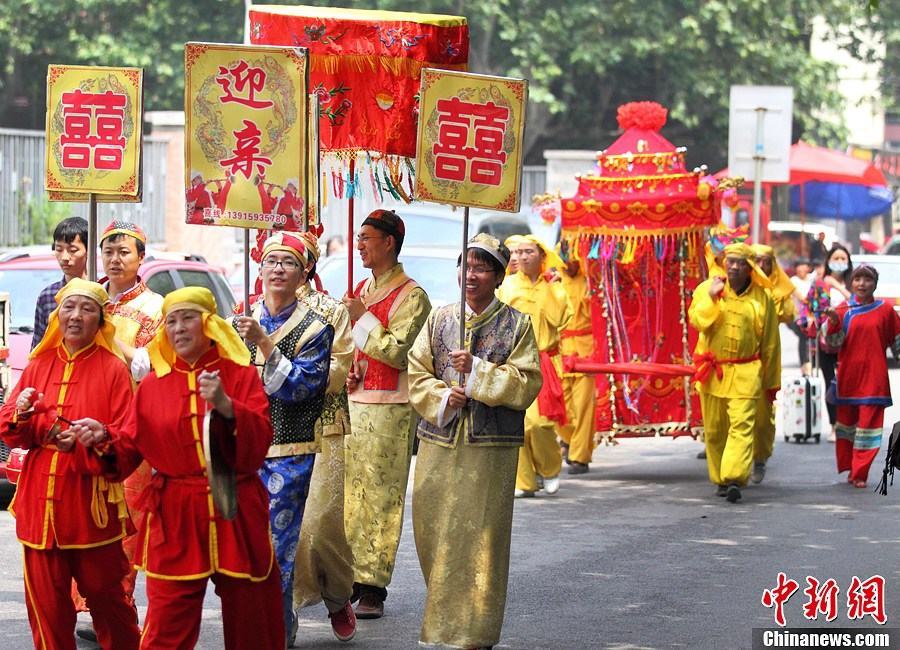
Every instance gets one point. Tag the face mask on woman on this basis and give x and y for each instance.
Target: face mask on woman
(838, 267)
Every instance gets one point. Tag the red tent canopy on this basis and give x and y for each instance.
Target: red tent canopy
(812, 163)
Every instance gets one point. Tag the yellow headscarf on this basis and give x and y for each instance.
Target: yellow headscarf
(229, 344)
(781, 283)
(746, 253)
(105, 336)
(551, 257)
(512, 243)
(711, 264)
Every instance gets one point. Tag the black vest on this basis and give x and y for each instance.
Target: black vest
(294, 422)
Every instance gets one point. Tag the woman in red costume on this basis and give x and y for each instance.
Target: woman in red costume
(199, 365)
(69, 518)
(861, 329)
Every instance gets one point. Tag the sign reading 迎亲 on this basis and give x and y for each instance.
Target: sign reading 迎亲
(93, 132)
(246, 136)
(469, 148)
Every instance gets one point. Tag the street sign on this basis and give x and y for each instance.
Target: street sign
(246, 136)
(759, 138)
(94, 118)
(748, 140)
(469, 147)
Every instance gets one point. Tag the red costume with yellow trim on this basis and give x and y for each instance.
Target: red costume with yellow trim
(70, 519)
(182, 541)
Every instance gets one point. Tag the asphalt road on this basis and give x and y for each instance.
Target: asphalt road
(638, 553)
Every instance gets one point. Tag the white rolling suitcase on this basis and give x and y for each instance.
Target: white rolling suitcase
(802, 408)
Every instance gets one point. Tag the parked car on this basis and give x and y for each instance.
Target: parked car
(891, 246)
(24, 275)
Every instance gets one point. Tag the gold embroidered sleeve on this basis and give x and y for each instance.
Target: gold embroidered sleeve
(391, 345)
(341, 350)
(515, 383)
(425, 390)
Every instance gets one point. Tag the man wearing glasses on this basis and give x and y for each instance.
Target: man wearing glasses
(291, 345)
(387, 311)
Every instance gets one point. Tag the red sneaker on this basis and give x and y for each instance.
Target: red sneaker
(343, 623)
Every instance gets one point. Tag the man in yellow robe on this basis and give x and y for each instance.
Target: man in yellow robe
(387, 311)
(469, 432)
(577, 340)
(739, 360)
(530, 292)
(323, 567)
(781, 289)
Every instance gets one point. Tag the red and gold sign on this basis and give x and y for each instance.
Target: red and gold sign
(93, 132)
(246, 136)
(365, 67)
(470, 140)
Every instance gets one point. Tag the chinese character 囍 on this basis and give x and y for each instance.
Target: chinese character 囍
(246, 152)
(821, 599)
(93, 125)
(243, 79)
(779, 595)
(455, 160)
(866, 598)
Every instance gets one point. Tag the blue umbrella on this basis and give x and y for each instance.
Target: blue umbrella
(840, 200)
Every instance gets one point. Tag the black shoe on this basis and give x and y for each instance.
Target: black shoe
(721, 490)
(702, 455)
(733, 493)
(86, 632)
(578, 468)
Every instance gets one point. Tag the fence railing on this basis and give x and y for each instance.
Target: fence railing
(26, 217)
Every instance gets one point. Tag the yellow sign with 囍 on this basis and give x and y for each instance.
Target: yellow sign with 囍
(469, 147)
(246, 136)
(94, 119)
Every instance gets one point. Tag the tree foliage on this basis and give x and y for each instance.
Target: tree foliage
(583, 58)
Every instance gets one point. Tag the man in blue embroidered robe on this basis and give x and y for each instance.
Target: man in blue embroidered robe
(292, 346)
(470, 433)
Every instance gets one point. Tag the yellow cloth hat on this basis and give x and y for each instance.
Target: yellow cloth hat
(744, 252)
(781, 283)
(105, 336)
(551, 259)
(216, 328)
(712, 265)
(513, 241)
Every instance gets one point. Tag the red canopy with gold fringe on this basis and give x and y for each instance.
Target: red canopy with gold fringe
(366, 67)
(636, 225)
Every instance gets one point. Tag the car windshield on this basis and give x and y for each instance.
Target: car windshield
(23, 286)
(437, 275)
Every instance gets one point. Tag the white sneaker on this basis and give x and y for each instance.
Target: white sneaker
(520, 494)
(551, 485)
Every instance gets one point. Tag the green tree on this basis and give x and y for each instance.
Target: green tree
(583, 58)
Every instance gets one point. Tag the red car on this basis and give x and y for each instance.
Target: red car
(24, 276)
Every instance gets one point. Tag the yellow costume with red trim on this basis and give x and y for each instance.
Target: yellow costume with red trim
(547, 305)
(70, 519)
(577, 340)
(739, 357)
(781, 290)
